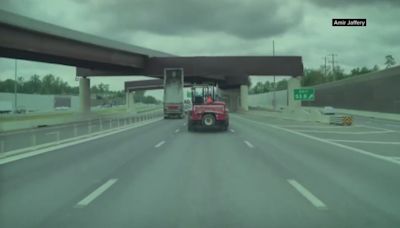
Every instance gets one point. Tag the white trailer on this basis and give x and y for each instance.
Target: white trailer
(173, 92)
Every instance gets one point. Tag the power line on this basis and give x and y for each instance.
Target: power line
(333, 64)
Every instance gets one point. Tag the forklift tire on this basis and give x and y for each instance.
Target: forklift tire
(208, 120)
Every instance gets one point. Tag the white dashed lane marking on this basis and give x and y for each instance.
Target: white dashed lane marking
(159, 144)
(249, 144)
(92, 196)
(307, 194)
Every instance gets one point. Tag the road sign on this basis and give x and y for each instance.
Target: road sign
(188, 94)
(304, 94)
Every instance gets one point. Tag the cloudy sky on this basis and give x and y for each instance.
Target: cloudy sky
(222, 27)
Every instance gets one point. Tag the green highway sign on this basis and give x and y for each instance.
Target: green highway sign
(304, 94)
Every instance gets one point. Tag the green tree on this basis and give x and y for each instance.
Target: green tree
(312, 77)
(33, 85)
(138, 96)
(7, 86)
(282, 85)
(389, 61)
(48, 82)
(149, 100)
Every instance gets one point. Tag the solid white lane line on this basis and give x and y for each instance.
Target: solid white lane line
(326, 141)
(307, 194)
(248, 144)
(159, 144)
(184, 124)
(313, 126)
(376, 128)
(92, 196)
(346, 132)
(363, 141)
(233, 131)
(177, 130)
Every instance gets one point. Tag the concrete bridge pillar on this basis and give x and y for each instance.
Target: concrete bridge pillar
(84, 95)
(231, 97)
(130, 102)
(293, 83)
(244, 95)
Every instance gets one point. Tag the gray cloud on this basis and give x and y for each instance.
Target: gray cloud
(248, 19)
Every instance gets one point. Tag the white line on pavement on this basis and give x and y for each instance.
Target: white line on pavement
(363, 141)
(376, 128)
(346, 132)
(307, 194)
(159, 144)
(384, 158)
(233, 131)
(312, 126)
(177, 130)
(92, 196)
(248, 144)
(184, 124)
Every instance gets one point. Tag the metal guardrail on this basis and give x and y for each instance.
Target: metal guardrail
(344, 120)
(10, 141)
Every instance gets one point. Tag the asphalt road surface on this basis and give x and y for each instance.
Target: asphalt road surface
(260, 173)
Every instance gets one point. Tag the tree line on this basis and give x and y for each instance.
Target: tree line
(318, 76)
(50, 84)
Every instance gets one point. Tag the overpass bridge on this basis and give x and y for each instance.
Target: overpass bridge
(29, 39)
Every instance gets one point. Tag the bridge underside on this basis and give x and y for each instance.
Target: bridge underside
(29, 39)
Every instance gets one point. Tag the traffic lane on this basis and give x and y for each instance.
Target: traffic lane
(359, 190)
(199, 179)
(34, 188)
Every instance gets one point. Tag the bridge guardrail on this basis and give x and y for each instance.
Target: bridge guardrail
(11, 141)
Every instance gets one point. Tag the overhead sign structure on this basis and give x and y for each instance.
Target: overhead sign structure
(304, 94)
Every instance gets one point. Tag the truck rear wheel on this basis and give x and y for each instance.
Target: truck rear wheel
(208, 120)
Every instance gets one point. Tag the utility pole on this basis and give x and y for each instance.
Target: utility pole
(333, 64)
(274, 87)
(325, 66)
(15, 87)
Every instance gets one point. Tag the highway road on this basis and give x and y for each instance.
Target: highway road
(262, 172)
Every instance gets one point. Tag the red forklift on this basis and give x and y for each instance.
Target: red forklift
(208, 111)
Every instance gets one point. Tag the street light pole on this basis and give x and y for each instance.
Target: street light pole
(15, 87)
(273, 93)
